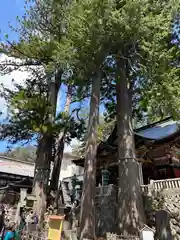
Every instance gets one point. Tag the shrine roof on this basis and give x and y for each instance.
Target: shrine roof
(147, 228)
(157, 132)
(22, 168)
(17, 167)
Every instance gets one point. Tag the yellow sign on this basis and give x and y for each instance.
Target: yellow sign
(55, 227)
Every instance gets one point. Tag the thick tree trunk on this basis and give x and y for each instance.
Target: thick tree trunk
(44, 154)
(41, 177)
(87, 214)
(60, 146)
(57, 163)
(130, 207)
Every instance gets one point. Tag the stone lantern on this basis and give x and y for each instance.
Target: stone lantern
(147, 233)
(105, 177)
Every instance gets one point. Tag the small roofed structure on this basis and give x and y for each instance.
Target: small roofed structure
(11, 192)
(157, 151)
(14, 170)
(147, 233)
(16, 186)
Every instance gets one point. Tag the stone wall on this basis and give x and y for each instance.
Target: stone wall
(168, 200)
(106, 199)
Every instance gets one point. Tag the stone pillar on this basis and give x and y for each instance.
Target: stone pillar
(106, 211)
(17, 216)
(141, 181)
(163, 231)
(151, 188)
(23, 194)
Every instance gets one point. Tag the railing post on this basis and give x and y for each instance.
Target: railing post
(150, 187)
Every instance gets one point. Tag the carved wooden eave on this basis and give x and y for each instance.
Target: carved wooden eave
(24, 183)
(17, 185)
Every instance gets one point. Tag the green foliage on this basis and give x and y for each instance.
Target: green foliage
(81, 39)
(104, 130)
(42, 35)
(28, 109)
(28, 115)
(40, 29)
(143, 32)
(49, 38)
(82, 36)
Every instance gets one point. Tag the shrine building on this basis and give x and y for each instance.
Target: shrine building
(157, 153)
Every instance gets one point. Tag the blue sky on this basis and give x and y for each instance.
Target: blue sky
(9, 9)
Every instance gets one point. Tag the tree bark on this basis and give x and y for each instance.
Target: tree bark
(44, 153)
(130, 207)
(41, 177)
(87, 214)
(60, 145)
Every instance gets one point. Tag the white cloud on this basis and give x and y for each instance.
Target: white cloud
(6, 80)
(74, 143)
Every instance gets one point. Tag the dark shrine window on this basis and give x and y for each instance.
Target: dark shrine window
(163, 173)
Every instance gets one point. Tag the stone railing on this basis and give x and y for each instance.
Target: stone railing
(113, 236)
(158, 185)
(145, 189)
